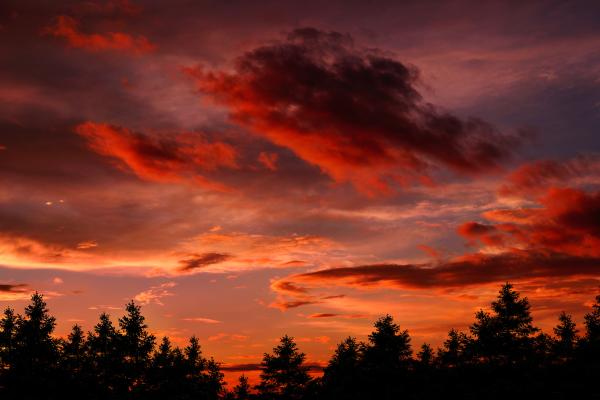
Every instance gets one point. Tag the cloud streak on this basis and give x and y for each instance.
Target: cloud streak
(68, 28)
(197, 261)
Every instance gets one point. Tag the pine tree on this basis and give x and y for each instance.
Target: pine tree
(136, 344)
(105, 357)
(36, 352)
(425, 355)
(506, 335)
(566, 336)
(74, 350)
(214, 384)
(341, 378)
(242, 390)
(389, 347)
(7, 337)
(386, 358)
(73, 363)
(283, 374)
(592, 323)
(193, 353)
(453, 352)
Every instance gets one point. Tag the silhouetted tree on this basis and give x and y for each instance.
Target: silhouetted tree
(73, 363)
(566, 336)
(35, 352)
(242, 390)
(452, 353)
(283, 374)
(342, 376)
(8, 325)
(386, 357)
(136, 344)
(105, 359)
(506, 358)
(160, 370)
(214, 384)
(505, 336)
(589, 349)
(592, 323)
(425, 355)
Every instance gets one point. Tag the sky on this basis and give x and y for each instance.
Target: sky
(245, 170)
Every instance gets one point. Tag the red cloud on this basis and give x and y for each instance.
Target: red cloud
(355, 114)
(68, 28)
(169, 158)
(269, 160)
(558, 239)
(568, 222)
(531, 178)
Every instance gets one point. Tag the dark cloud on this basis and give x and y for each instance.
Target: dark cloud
(13, 288)
(257, 367)
(240, 367)
(323, 315)
(474, 269)
(355, 113)
(286, 305)
(196, 261)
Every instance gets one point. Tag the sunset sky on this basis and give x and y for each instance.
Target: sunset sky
(249, 169)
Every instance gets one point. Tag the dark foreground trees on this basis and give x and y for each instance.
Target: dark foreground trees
(107, 363)
(502, 356)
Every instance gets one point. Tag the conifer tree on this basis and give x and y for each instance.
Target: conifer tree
(566, 336)
(425, 355)
(341, 378)
(105, 357)
(36, 352)
(7, 337)
(242, 390)
(283, 375)
(506, 335)
(592, 323)
(136, 344)
(386, 358)
(453, 352)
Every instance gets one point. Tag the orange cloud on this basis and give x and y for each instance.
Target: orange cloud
(155, 294)
(202, 320)
(168, 158)
(227, 337)
(68, 28)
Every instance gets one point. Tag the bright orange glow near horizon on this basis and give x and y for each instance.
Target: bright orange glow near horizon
(247, 170)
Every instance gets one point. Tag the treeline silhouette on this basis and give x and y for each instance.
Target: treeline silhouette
(503, 355)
